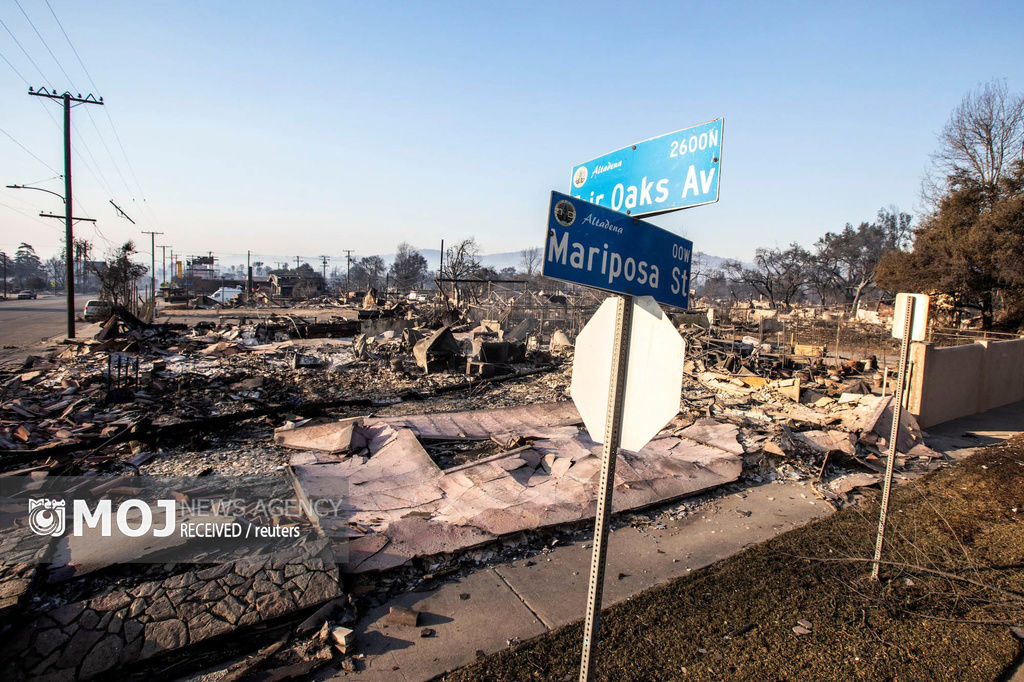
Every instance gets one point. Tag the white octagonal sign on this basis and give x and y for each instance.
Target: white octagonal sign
(654, 374)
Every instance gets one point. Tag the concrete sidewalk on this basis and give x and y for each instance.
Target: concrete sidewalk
(977, 430)
(499, 605)
(496, 605)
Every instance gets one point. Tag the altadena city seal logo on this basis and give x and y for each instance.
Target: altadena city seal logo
(579, 178)
(46, 517)
(565, 213)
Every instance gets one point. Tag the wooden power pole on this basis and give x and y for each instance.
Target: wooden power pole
(69, 240)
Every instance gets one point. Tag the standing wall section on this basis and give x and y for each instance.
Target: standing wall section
(946, 383)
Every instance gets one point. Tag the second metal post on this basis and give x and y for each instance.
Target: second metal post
(612, 433)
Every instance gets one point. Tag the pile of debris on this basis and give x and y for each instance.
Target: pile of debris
(433, 461)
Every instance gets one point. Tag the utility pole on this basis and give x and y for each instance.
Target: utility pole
(3, 260)
(296, 262)
(163, 257)
(152, 266)
(348, 271)
(323, 261)
(57, 217)
(69, 240)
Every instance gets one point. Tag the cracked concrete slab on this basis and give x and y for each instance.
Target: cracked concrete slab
(527, 421)
(398, 492)
(486, 618)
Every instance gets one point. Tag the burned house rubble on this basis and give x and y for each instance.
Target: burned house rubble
(432, 434)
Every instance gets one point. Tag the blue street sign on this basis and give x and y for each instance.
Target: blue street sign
(601, 248)
(664, 173)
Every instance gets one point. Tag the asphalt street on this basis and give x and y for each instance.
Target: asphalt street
(30, 321)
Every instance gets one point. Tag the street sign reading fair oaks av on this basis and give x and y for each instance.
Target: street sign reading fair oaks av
(665, 173)
(597, 247)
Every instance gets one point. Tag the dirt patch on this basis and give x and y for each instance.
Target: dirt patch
(952, 587)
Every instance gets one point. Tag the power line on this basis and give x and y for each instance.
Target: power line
(23, 50)
(96, 166)
(117, 168)
(89, 167)
(107, 185)
(72, 46)
(102, 178)
(113, 128)
(43, 41)
(14, 69)
(29, 151)
(30, 215)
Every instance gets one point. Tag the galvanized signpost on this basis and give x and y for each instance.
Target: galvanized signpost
(595, 239)
(910, 322)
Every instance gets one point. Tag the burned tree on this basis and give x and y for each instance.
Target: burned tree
(529, 260)
(779, 276)
(409, 267)
(118, 275)
(845, 263)
(983, 137)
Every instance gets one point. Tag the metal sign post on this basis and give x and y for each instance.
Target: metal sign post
(612, 432)
(907, 332)
(594, 239)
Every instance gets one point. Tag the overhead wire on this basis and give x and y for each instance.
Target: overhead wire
(15, 69)
(106, 185)
(31, 216)
(113, 128)
(117, 168)
(43, 41)
(94, 167)
(23, 50)
(39, 182)
(28, 151)
(106, 110)
(102, 178)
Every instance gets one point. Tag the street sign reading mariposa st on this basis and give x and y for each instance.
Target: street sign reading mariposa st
(601, 248)
(665, 173)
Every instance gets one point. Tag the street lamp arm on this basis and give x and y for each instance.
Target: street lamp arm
(38, 189)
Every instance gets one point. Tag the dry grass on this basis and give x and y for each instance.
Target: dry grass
(952, 587)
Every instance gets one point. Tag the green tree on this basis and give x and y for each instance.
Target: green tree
(971, 249)
(6, 271)
(28, 269)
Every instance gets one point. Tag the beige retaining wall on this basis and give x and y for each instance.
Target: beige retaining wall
(946, 383)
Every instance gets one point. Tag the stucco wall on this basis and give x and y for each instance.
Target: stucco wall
(946, 383)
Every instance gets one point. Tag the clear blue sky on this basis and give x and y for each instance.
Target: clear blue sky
(306, 128)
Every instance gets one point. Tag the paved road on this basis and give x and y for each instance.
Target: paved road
(27, 322)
